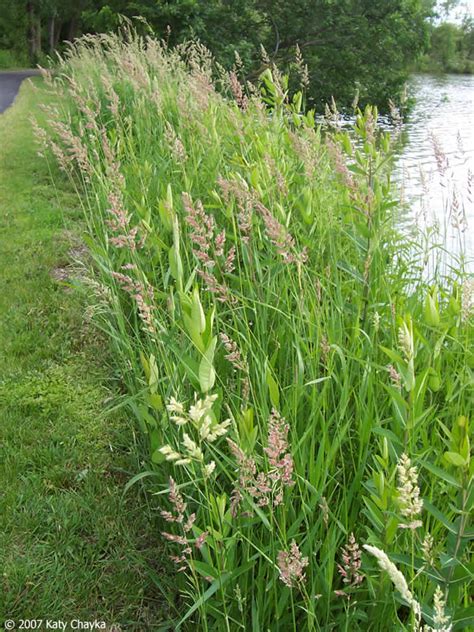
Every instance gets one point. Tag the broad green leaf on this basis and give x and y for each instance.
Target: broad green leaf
(168, 216)
(155, 439)
(436, 513)
(388, 434)
(408, 374)
(207, 334)
(197, 312)
(193, 332)
(440, 473)
(434, 381)
(207, 374)
(176, 266)
(147, 417)
(393, 355)
(157, 457)
(374, 514)
(463, 618)
(455, 459)
(431, 311)
(145, 365)
(206, 570)
(192, 368)
(273, 389)
(419, 565)
(153, 377)
(155, 400)
(345, 266)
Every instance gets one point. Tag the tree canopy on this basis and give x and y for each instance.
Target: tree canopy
(349, 45)
(451, 48)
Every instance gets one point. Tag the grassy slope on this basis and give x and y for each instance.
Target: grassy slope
(71, 546)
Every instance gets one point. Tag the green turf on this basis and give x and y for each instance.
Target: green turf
(71, 544)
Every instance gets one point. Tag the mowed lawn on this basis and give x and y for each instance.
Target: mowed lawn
(72, 545)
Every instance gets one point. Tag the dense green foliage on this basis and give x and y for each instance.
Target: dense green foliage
(350, 46)
(70, 544)
(451, 49)
(285, 352)
(30, 29)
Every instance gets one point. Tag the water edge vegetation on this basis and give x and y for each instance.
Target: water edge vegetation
(302, 387)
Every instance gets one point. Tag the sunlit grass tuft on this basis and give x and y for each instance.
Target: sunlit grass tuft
(71, 546)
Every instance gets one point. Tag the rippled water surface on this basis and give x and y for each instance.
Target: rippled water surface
(436, 158)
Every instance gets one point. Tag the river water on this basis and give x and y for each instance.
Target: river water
(435, 164)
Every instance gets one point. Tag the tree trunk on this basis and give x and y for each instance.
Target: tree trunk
(34, 32)
(72, 30)
(52, 34)
(30, 10)
(57, 33)
(38, 47)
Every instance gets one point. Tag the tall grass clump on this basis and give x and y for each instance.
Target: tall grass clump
(302, 387)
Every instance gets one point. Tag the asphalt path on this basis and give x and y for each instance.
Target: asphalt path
(10, 83)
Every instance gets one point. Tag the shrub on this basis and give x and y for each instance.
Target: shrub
(8, 59)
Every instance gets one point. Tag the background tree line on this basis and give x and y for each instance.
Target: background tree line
(451, 48)
(350, 46)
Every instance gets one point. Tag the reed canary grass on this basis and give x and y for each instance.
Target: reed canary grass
(291, 565)
(276, 336)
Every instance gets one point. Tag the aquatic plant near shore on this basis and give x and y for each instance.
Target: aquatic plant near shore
(279, 347)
